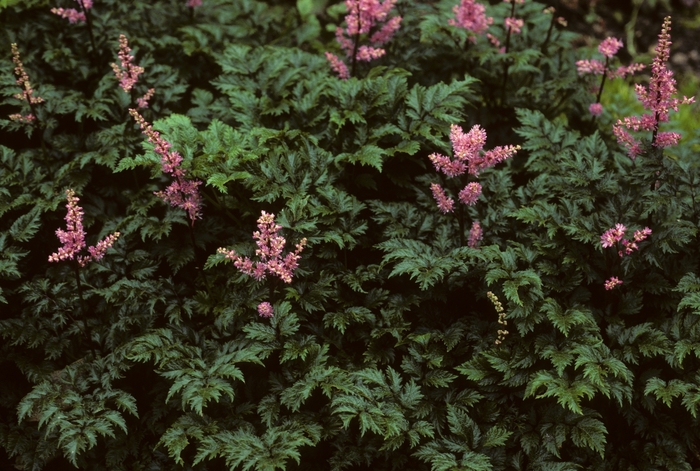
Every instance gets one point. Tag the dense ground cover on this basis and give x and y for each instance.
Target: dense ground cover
(353, 235)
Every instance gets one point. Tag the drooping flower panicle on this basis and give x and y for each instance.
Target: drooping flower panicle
(182, 192)
(502, 332)
(659, 98)
(73, 238)
(126, 72)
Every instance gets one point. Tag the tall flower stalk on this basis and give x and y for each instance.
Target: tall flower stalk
(28, 93)
(659, 98)
(73, 242)
(469, 157)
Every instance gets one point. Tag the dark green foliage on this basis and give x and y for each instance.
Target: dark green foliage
(384, 352)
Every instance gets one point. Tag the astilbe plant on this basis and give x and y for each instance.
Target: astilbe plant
(469, 157)
(270, 246)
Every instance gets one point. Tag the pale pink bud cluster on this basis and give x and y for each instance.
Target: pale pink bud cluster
(270, 246)
(590, 66)
(658, 98)
(470, 193)
(182, 192)
(612, 282)
(71, 14)
(475, 235)
(468, 157)
(73, 238)
(471, 15)
(127, 73)
(596, 109)
(445, 203)
(265, 309)
(369, 18)
(24, 119)
(338, 66)
(609, 47)
(143, 101)
(27, 90)
(194, 3)
(493, 39)
(631, 246)
(612, 235)
(514, 25)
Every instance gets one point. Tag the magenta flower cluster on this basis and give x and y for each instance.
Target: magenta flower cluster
(514, 24)
(469, 157)
(73, 15)
(658, 98)
(27, 90)
(270, 246)
(364, 17)
(127, 73)
(73, 238)
(182, 192)
(471, 15)
(614, 235)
